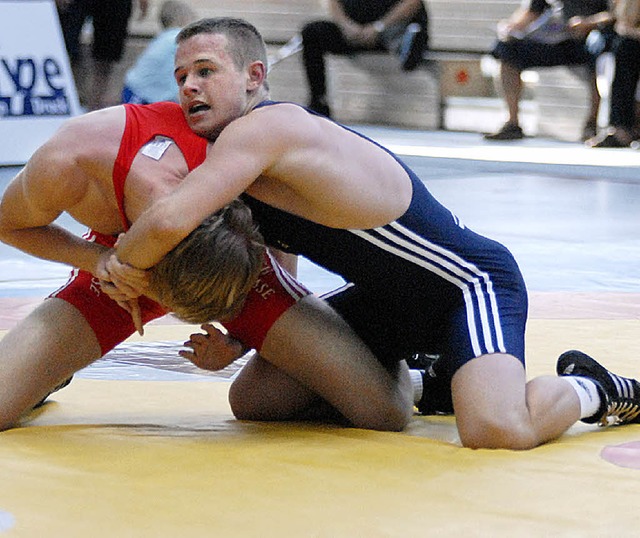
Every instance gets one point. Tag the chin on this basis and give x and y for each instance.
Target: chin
(198, 127)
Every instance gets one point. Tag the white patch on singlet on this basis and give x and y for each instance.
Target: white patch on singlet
(156, 148)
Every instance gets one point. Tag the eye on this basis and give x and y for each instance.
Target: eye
(204, 72)
(181, 79)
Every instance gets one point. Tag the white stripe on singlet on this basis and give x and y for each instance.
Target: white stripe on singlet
(290, 284)
(404, 243)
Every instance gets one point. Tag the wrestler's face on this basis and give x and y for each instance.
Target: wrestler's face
(213, 90)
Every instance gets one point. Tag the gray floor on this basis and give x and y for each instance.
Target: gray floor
(571, 215)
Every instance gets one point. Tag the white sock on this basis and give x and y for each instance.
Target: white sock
(588, 393)
(416, 381)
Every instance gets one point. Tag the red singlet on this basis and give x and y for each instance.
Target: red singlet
(273, 294)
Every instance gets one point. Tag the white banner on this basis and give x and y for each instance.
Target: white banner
(37, 91)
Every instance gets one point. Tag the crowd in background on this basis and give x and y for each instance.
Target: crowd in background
(541, 33)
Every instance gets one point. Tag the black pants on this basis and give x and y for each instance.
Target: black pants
(110, 19)
(625, 81)
(318, 39)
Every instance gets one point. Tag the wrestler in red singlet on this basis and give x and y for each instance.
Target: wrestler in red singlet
(273, 293)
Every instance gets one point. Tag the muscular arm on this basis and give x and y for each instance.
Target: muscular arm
(32, 202)
(240, 155)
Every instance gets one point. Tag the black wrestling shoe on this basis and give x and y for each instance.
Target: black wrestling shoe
(56, 389)
(422, 361)
(436, 390)
(620, 396)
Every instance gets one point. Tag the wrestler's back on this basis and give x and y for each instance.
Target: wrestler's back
(329, 174)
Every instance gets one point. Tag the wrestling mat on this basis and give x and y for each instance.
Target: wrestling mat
(111, 455)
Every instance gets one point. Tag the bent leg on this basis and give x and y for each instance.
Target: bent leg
(496, 408)
(319, 355)
(263, 392)
(47, 347)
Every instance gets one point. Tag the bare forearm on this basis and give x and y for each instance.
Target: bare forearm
(338, 15)
(401, 12)
(55, 244)
(150, 238)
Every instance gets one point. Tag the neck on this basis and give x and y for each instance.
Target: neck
(260, 95)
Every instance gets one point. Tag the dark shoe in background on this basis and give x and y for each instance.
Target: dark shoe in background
(607, 139)
(589, 131)
(508, 131)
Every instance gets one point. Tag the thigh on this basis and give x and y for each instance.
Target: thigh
(44, 349)
(263, 392)
(110, 323)
(312, 344)
(325, 36)
(526, 54)
(363, 312)
(473, 332)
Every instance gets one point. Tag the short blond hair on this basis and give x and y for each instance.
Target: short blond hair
(209, 274)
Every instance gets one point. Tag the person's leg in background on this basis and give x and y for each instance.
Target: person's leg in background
(72, 15)
(623, 96)
(318, 39)
(509, 53)
(110, 26)
(591, 123)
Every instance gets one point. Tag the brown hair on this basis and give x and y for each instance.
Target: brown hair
(208, 275)
(245, 42)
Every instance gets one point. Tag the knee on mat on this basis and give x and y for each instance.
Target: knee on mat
(508, 431)
(395, 420)
(243, 408)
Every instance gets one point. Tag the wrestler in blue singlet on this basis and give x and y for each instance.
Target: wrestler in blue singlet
(424, 282)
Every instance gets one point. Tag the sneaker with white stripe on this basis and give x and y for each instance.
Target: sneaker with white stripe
(620, 395)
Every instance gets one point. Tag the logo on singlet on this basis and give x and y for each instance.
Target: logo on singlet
(262, 286)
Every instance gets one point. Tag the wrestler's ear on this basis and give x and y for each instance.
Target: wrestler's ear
(257, 72)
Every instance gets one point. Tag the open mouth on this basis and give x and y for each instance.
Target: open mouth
(195, 108)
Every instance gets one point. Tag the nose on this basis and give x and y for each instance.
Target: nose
(190, 86)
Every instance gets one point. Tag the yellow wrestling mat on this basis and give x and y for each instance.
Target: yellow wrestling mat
(115, 458)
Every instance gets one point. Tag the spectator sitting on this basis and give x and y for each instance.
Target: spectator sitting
(546, 34)
(151, 78)
(623, 128)
(399, 26)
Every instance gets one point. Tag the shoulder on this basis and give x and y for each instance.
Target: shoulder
(90, 132)
(277, 122)
(80, 142)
